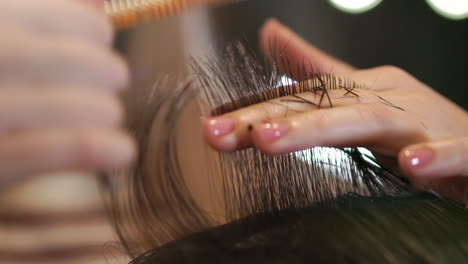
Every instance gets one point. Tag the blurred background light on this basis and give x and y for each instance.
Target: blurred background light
(452, 9)
(355, 6)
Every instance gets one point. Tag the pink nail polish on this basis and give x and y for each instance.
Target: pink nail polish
(419, 157)
(219, 126)
(270, 132)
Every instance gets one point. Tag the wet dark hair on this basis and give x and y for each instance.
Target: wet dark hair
(420, 228)
(321, 205)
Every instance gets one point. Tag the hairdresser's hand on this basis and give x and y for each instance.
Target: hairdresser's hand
(59, 80)
(395, 111)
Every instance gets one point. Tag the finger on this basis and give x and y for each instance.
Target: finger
(441, 165)
(436, 159)
(60, 60)
(59, 18)
(294, 55)
(378, 127)
(43, 150)
(238, 136)
(238, 122)
(281, 44)
(58, 107)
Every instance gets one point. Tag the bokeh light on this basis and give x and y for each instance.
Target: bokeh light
(452, 9)
(355, 6)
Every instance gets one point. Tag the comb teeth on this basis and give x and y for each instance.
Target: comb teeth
(127, 13)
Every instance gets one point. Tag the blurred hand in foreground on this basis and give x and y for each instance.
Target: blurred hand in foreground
(59, 84)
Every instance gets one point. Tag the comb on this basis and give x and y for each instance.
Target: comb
(127, 13)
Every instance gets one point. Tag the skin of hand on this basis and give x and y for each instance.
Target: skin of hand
(426, 132)
(59, 85)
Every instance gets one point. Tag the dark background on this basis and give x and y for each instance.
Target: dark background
(407, 34)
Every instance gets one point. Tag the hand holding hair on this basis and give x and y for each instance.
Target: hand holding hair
(390, 113)
(59, 80)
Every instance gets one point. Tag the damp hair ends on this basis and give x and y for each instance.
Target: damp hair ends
(319, 205)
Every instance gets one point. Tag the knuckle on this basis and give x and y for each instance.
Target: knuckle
(393, 71)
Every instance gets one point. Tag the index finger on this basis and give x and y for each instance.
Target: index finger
(294, 55)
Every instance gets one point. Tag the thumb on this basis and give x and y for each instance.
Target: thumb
(293, 54)
(442, 165)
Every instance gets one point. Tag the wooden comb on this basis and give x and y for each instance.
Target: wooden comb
(128, 13)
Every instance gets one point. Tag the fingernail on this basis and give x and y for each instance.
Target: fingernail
(270, 132)
(219, 126)
(418, 157)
